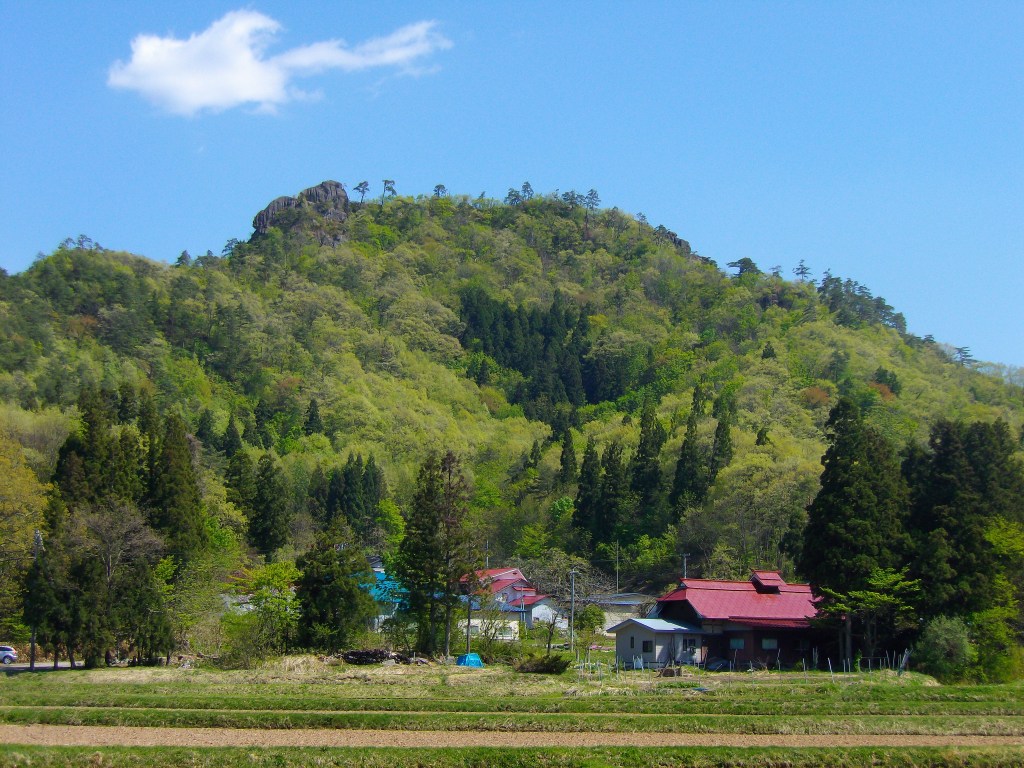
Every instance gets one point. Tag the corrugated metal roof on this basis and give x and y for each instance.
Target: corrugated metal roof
(659, 625)
(743, 603)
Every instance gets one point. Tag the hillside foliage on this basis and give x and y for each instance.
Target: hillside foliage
(607, 391)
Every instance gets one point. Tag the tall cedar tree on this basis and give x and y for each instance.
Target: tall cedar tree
(335, 495)
(957, 493)
(645, 470)
(567, 467)
(240, 477)
(724, 409)
(434, 555)
(149, 426)
(613, 518)
(690, 485)
(314, 425)
(352, 502)
(268, 526)
(316, 497)
(204, 430)
(231, 443)
(855, 524)
(177, 506)
(332, 600)
(588, 493)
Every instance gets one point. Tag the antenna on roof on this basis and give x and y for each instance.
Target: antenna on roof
(686, 556)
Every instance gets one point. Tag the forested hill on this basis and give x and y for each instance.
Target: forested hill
(609, 391)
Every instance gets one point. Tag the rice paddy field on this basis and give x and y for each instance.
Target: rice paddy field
(305, 711)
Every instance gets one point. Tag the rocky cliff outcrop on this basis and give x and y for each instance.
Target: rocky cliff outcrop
(327, 199)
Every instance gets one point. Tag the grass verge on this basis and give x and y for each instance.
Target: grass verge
(516, 722)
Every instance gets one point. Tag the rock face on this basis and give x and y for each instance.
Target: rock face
(328, 199)
(265, 217)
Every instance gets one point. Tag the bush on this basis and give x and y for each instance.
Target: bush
(998, 658)
(944, 649)
(545, 665)
(498, 651)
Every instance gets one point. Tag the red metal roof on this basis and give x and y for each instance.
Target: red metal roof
(527, 600)
(492, 576)
(765, 600)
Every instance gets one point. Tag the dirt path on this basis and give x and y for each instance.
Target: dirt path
(110, 736)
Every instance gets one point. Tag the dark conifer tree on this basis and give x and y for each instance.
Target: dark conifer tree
(588, 494)
(535, 454)
(240, 480)
(177, 508)
(129, 467)
(332, 600)
(352, 504)
(263, 414)
(690, 484)
(151, 431)
(613, 514)
(204, 430)
(316, 497)
(314, 425)
(128, 402)
(645, 469)
(268, 526)
(335, 495)
(952, 509)
(435, 553)
(374, 485)
(231, 443)
(721, 449)
(567, 467)
(856, 522)
(250, 433)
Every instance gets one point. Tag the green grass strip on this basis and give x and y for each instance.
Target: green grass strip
(612, 757)
(517, 722)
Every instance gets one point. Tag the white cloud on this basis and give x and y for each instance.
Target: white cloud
(225, 66)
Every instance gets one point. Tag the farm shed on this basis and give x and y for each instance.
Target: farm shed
(656, 642)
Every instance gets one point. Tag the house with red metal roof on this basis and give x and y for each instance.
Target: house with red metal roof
(762, 620)
(512, 592)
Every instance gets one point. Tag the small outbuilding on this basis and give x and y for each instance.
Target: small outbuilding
(657, 643)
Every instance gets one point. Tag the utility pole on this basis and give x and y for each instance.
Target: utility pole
(37, 545)
(487, 554)
(686, 556)
(616, 566)
(572, 611)
(469, 615)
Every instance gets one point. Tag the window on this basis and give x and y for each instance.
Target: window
(648, 646)
(735, 643)
(769, 644)
(632, 642)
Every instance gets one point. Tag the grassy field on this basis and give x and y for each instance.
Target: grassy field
(304, 693)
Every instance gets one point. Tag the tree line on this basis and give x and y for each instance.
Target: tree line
(896, 540)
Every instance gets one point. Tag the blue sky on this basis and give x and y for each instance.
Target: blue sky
(883, 141)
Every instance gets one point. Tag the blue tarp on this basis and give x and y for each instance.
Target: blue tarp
(469, 660)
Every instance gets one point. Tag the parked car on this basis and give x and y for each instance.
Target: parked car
(7, 654)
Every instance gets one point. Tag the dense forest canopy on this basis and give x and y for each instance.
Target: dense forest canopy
(608, 393)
